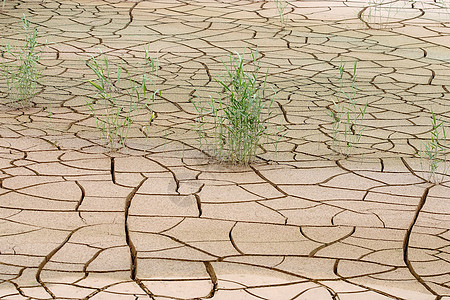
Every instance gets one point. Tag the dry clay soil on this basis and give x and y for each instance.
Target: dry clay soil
(159, 219)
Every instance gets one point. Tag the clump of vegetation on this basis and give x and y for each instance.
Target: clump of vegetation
(119, 96)
(21, 69)
(346, 115)
(434, 151)
(239, 115)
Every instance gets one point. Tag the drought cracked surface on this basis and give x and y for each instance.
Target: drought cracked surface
(161, 220)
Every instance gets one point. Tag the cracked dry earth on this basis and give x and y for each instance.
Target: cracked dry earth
(161, 220)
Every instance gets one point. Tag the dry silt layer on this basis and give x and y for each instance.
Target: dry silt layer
(160, 219)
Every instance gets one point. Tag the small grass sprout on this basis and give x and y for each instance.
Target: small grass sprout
(281, 7)
(346, 114)
(433, 151)
(382, 12)
(119, 96)
(21, 69)
(239, 116)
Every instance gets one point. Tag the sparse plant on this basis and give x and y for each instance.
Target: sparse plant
(118, 99)
(433, 151)
(346, 114)
(21, 69)
(375, 11)
(281, 7)
(239, 115)
(443, 3)
(381, 12)
(443, 12)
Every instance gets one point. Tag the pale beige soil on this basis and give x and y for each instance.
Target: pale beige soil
(161, 220)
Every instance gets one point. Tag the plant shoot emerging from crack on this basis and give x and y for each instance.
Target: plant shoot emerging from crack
(434, 151)
(281, 7)
(346, 114)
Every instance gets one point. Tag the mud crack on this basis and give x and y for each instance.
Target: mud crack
(133, 252)
(406, 244)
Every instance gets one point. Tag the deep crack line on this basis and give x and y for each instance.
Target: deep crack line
(345, 279)
(47, 259)
(207, 72)
(83, 195)
(133, 252)
(213, 277)
(199, 204)
(312, 253)
(230, 236)
(257, 172)
(113, 170)
(130, 14)
(406, 245)
(411, 169)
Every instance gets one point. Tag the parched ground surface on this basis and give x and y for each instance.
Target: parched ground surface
(161, 220)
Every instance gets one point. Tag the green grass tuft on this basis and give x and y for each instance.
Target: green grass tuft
(21, 69)
(239, 116)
